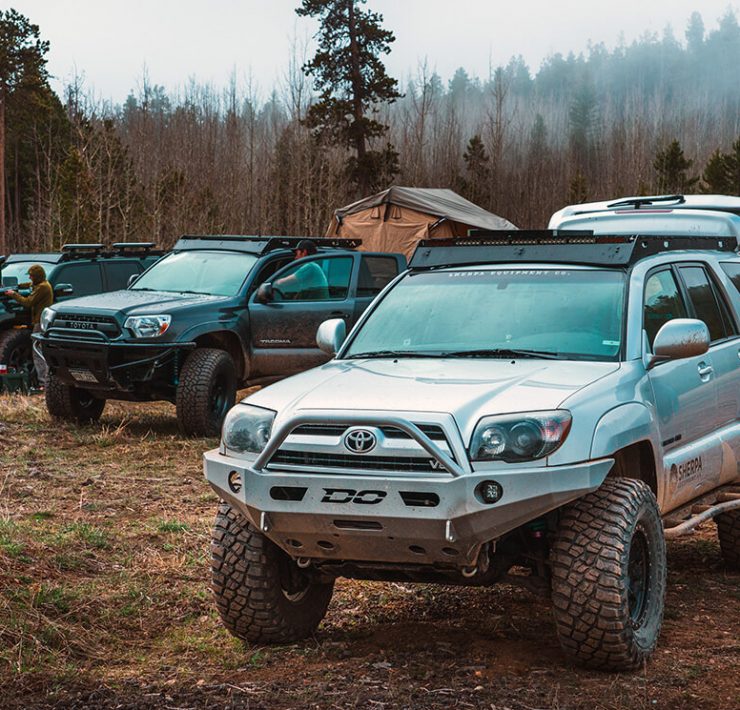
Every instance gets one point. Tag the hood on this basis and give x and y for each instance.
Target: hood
(466, 388)
(132, 302)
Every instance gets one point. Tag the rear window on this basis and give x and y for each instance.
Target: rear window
(733, 271)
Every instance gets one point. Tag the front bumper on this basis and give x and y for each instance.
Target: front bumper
(375, 519)
(109, 365)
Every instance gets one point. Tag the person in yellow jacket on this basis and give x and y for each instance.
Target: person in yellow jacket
(41, 296)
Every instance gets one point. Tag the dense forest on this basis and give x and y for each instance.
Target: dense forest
(660, 114)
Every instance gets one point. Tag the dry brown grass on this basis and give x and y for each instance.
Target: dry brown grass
(104, 601)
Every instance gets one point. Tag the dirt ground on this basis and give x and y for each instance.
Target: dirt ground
(105, 603)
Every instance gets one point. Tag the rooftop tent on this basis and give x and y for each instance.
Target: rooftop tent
(396, 219)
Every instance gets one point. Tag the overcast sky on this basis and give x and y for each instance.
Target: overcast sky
(111, 42)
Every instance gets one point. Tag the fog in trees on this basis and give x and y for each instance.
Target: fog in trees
(659, 114)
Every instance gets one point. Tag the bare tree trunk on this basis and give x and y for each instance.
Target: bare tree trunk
(3, 242)
(357, 98)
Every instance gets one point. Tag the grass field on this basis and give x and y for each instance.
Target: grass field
(105, 602)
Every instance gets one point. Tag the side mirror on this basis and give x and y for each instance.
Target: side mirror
(680, 338)
(132, 280)
(63, 290)
(10, 282)
(265, 293)
(331, 335)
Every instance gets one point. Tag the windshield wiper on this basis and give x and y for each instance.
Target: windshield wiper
(197, 293)
(390, 353)
(504, 353)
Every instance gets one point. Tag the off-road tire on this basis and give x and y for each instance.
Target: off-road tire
(728, 530)
(249, 575)
(16, 351)
(206, 392)
(608, 543)
(72, 404)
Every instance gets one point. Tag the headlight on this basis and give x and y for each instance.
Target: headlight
(519, 437)
(148, 326)
(47, 316)
(246, 429)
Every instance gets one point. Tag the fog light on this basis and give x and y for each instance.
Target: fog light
(489, 491)
(235, 481)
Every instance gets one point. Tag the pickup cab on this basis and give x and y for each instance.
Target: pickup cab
(215, 314)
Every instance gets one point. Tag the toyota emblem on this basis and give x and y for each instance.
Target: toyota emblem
(360, 441)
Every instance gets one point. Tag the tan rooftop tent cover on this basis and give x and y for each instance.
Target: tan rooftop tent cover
(397, 218)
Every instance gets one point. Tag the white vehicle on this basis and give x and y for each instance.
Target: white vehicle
(537, 401)
(713, 215)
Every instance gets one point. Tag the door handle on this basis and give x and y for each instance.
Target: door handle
(705, 371)
(339, 314)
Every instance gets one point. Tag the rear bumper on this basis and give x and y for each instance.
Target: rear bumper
(109, 365)
(374, 519)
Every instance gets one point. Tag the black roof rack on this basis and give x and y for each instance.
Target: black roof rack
(69, 248)
(553, 246)
(257, 245)
(138, 246)
(638, 202)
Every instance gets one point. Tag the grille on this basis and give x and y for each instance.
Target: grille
(370, 463)
(433, 431)
(84, 326)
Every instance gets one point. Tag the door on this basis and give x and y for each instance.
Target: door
(707, 303)
(685, 396)
(306, 293)
(376, 272)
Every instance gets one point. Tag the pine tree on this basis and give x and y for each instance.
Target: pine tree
(22, 71)
(477, 163)
(352, 84)
(732, 164)
(671, 167)
(715, 178)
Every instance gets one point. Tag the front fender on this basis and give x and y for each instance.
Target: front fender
(624, 425)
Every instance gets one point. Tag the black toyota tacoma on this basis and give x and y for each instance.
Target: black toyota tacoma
(76, 270)
(216, 314)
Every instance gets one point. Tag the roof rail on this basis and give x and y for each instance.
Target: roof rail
(638, 202)
(553, 246)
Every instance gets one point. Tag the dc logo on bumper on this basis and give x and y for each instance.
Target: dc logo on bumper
(360, 441)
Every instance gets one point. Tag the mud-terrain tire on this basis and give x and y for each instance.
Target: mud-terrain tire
(206, 392)
(609, 576)
(728, 530)
(16, 351)
(72, 404)
(261, 594)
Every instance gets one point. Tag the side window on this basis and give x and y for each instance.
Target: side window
(317, 280)
(85, 278)
(268, 270)
(117, 273)
(733, 271)
(375, 273)
(702, 297)
(663, 302)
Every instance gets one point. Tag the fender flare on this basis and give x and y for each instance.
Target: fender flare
(622, 426)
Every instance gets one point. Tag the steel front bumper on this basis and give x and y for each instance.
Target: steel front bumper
(105, 364)
(369, 518)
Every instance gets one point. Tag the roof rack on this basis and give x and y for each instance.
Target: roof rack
(256, 244)
(553, 246)
(638, 202)
(82, 247)
(138, 246)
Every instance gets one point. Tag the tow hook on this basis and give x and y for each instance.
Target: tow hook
(469, 571)
(303, 562)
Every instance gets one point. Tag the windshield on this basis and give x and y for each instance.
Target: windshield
(565, 313)
(19, 270)
(215, 273)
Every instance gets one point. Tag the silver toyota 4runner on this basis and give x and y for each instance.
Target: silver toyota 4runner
(536, 408)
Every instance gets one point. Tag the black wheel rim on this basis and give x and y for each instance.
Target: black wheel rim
(638, 582)
(18, 359)
(220, 397)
